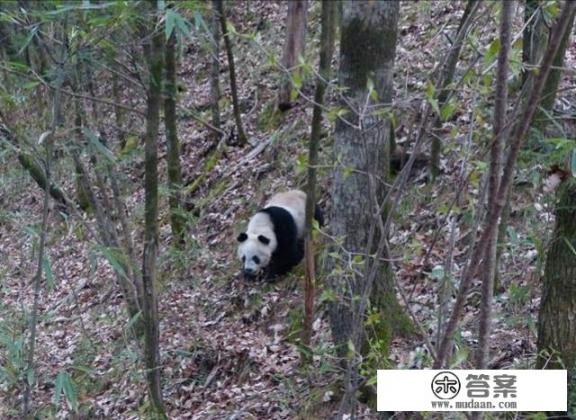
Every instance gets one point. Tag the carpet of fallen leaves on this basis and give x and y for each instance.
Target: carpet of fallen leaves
(228, 347)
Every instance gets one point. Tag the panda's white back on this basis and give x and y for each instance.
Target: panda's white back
(293, 201)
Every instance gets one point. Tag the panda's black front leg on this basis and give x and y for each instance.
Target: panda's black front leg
(273, 272)
(270, 276)
(277, 268)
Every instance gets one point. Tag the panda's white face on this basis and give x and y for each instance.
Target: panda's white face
(255, 252)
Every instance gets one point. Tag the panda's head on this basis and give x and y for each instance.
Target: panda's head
(255, 251)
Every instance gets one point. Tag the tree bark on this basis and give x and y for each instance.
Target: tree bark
(361, 147)
(177, 220)
(215, 68)
(500, 106)
(542, 117)
(556, 323)
(329, 10)
(242, 140)
(293, 48)
(36, 172)
(47, 144)
(534, 37)
(154, 55)
(368, 43)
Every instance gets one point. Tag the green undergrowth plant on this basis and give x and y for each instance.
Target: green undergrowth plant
(12, 348)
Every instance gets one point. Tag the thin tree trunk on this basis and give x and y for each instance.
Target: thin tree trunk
(154, 54)
(542, 117)
(534, 37)
(242, 140)
(177, 220)
(56, 106)
(500, 105)
(447, 76)
(82, 195)
(492, 221)
(37, 285)
(293, 48)
(129, 282)
(118, 112)
(329, 10)
(215, 68)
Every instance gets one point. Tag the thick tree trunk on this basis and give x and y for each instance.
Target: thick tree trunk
(293, 48)
(154, 54)
(362, 150)
(556, 323)
(368, 45)
(242, 140)
(177, 220)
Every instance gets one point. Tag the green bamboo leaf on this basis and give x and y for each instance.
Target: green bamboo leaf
(114, 258)
(98, 146)
(58, 388)
(430, 93)
(199, 22)
(48, 273)
(30, 377)
(169, 22)
(70, 391)
(492, 51)
(447, 111)
(570, 246)
(28, 39)
(133, 320)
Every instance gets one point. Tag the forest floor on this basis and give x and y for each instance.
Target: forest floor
(228, 347)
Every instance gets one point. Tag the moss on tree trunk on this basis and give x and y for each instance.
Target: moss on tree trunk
(557, 317)
(362, 150)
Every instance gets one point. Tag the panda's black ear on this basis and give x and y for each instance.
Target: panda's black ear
(263, 239)
(242, 237)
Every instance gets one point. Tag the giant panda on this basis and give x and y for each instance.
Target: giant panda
(274, 239)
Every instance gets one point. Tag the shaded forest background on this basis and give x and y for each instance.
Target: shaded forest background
(120, 298)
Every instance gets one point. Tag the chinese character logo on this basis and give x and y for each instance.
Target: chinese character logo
(505, 386)
(478, 386)
(445, 385)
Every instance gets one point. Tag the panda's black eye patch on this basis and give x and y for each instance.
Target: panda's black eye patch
(256, 260)
(242, 237)
(263, 239)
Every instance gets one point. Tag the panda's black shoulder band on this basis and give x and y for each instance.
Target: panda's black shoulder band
(284, 224)
(286, 254)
